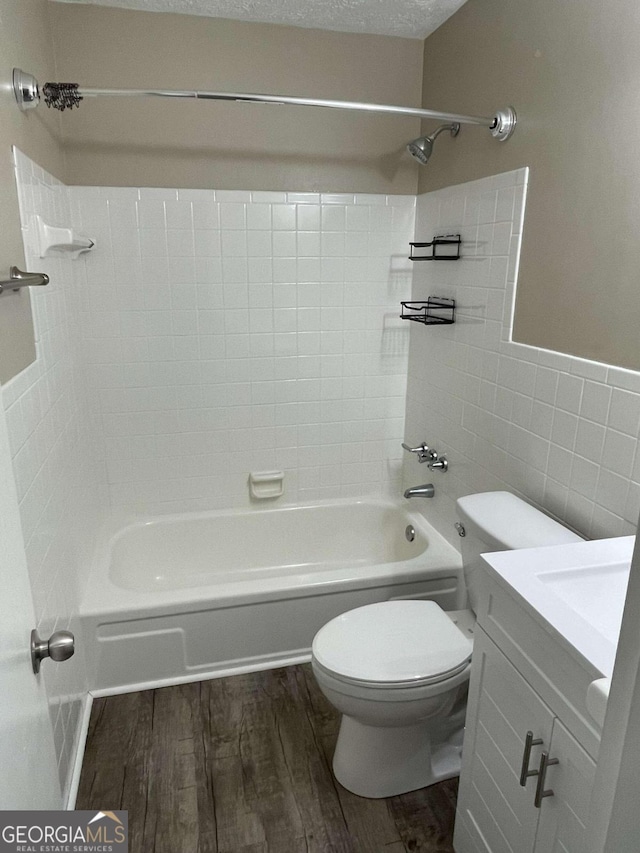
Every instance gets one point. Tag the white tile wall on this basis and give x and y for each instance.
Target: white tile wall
(558, 430)
(54, 462)
(227, 332)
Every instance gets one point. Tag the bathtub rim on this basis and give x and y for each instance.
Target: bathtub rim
(105, 600)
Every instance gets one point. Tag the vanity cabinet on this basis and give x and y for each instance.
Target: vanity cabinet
(501, 807)
(563, 817)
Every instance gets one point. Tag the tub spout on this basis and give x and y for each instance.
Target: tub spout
(426, 491)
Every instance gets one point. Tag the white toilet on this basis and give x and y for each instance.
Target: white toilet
(398, 670)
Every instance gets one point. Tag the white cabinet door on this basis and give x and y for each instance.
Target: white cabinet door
(563, 816)
(495, 813)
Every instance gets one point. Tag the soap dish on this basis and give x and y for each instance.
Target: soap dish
(266, 484)
(48, 239)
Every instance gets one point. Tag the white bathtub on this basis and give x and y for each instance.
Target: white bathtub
(181, 598)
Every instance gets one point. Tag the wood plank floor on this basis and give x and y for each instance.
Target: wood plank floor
(243, 765)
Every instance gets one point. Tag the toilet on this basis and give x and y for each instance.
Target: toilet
(398, 670)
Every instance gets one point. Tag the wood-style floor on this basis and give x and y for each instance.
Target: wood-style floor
(243, 765)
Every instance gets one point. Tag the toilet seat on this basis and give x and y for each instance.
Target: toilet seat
(442, 679)
(392, 644)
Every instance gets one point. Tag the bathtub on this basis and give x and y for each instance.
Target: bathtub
(185, 597)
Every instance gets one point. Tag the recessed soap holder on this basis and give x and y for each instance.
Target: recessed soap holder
(49, 239)
(266, 484)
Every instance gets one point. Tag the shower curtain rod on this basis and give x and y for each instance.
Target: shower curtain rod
(63, 96)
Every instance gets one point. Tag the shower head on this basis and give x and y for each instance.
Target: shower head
(422, 147)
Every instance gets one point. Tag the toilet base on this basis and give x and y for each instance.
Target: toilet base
(377, 762)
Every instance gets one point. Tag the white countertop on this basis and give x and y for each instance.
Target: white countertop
(578, 591)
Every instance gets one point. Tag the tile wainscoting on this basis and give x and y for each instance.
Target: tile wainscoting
(558, 430)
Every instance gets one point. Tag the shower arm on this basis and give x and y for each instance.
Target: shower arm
(27, 94)
(453, 128)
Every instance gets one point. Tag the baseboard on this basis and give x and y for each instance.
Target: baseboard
(205, 675)
(87, 702)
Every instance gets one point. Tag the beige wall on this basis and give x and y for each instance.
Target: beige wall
(25, 41)
(234, 146)
(569, 69)
(572, 71)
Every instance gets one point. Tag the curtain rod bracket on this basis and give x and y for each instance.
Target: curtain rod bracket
(25, 88)
(503, 124)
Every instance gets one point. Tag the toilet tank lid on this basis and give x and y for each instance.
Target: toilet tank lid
(504, 521)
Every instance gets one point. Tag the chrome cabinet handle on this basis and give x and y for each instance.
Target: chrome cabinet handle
(545, 762)
(525, 773)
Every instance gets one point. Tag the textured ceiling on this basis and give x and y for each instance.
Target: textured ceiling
(407, 18)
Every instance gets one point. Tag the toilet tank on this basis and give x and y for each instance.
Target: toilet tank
(499, 521)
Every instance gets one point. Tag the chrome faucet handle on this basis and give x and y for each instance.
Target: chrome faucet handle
(420, 449)
(438, 463)
(425, 454)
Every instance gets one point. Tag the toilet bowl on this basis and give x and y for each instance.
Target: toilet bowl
(398, 670)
